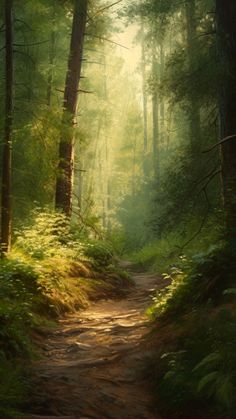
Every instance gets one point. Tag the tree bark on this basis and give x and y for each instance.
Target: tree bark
(144, 94)
(194, 111)
(52, 54)
(226, 30)
(155, 118)
(6, 215)
(64, 183)
(162, 103)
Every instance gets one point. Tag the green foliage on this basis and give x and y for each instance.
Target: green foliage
(204, 370)
(51, 270)
(198, 369)
(101, 254)
(196, 281)
(12, 392)
(18, 285)
(49, 234)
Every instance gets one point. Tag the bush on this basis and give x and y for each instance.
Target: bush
(12, 392)
(100, 253)
(195, 281)
(49, 234)
(202, 371)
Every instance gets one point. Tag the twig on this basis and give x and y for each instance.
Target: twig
(209, 180)
(206, 34)
(24, 23)
(25, 54)
(229, 137)
(84, 91)
(85, 223)
(106, 39)
(103, 9)
(197, 182)
(31, 44)
(199, 230)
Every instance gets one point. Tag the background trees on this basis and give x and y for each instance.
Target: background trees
(140, 140)
(150, 163)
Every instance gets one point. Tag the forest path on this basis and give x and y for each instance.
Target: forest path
(92, 361)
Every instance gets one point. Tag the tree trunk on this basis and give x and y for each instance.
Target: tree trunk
(162, 103)
(144, 94)
(64, 183)
(6, 215)
(155, 119)
(52, 54)
(194, 111)
(226, 29)
(134, 168)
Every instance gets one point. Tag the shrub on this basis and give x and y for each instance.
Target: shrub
(100, 253)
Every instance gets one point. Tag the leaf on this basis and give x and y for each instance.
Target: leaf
(225, 391)
(212, 358)
(229, 291)
(212, 376)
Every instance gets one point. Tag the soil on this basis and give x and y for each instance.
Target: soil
(91, 368)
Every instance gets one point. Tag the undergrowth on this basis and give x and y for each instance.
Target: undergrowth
(195, 369)
(50, 271)
(194, 326)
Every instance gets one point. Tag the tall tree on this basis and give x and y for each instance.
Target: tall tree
(194, 111)
(155, 114)
(6, 215)
(52, 51)
(145, 99)
(64, 183)
(226, 18)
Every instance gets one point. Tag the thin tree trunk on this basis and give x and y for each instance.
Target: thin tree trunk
(51, 57)
(6, 215)
(145, 100)
(194, 111)
(155, 119)
(226, 28)
(134, 169)
(64, 183)
(162, 104)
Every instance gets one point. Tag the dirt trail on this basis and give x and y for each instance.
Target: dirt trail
(91, 366)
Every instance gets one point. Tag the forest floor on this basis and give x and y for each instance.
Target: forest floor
(91, 367)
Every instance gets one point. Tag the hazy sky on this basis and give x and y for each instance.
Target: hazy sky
(131, 56)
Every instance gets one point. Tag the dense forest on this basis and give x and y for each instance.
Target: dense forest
(118, 209)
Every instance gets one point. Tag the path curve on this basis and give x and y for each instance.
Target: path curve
(91, 364)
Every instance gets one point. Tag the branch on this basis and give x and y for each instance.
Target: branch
(229, 137)
(84, 91)
(86, 223)
(24, 23)
(31, 44)
(79, 170)
(93, 62)
(25, 54)
(103, 9)
(106, 39)
(206, 34)
(198, 181)
(209, 180)
(199, 229)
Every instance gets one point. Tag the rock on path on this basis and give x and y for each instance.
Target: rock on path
(91, 363)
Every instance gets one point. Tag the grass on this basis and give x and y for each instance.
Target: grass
(193, 366)
(50, 271)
